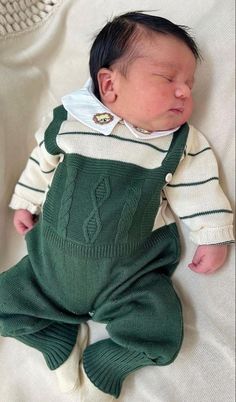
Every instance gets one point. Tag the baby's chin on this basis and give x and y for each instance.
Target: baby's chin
(175, 120)
(171, 120)
(167, 127)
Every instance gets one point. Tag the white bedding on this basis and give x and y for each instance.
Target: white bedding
(50, 59)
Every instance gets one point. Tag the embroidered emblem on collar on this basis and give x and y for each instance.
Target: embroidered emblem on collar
(103, 118)
(141, 130)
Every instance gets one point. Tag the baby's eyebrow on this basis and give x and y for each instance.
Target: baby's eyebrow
(165, 64)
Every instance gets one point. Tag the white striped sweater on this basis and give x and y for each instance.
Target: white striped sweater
(193, 193)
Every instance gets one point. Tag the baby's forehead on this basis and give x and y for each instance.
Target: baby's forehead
(155, 49)
(167, 51)
(149, 42)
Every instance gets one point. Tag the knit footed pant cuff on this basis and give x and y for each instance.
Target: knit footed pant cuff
(108, 364)
(55, 342)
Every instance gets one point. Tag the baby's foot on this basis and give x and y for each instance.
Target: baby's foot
(68, 373)
(88, 392)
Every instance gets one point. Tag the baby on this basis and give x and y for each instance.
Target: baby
(112, 163)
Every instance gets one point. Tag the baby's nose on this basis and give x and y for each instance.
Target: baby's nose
(183, 91)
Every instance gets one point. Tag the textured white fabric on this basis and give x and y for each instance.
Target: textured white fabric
(39, 66)
(23, 15)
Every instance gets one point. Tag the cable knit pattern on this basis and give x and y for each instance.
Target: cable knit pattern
(17, 16)
(99, 195)
(130, 207)
(67, 201)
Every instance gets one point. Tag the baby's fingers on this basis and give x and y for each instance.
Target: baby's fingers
(23, 228)
(200, 268)
(23, 221)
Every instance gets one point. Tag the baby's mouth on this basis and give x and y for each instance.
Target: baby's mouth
(177, 110)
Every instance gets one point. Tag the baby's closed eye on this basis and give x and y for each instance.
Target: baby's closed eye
(165, 77)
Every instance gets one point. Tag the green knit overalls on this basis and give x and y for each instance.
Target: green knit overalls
(93, 255)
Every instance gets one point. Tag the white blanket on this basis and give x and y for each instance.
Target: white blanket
(46, 57)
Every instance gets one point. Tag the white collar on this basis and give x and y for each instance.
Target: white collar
(85, 107)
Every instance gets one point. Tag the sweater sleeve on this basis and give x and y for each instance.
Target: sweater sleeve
(195, 196)
(34, 181)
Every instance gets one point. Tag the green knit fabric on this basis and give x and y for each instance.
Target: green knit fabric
(55, 342)
(113, 364)
(144, 318)
(102, 189)
(59, 115)
(94, 253)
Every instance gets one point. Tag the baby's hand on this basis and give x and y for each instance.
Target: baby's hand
(23, 221)
(208, 258)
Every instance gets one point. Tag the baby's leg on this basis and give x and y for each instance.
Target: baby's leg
(30, 315)
(145, 325)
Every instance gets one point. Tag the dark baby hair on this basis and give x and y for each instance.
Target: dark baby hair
(117, 38)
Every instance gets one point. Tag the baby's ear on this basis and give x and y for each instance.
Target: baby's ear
(105, 79)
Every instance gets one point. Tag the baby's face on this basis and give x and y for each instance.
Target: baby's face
(156, 92)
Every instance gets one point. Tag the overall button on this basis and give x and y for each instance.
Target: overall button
(168, 177)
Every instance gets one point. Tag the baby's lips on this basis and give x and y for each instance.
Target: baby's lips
(177, 110)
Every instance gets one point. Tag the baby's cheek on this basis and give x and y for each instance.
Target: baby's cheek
(190, 105)
(158, 106)
(188, 110)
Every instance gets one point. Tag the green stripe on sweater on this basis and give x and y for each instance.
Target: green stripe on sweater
(197, 153)
(31, 188)
(37, 162)
(197, 183)
(215, 211)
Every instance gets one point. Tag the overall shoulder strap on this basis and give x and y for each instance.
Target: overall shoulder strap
(59, 115)
(177, 148)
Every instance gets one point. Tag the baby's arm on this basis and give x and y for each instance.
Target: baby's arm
(196, 197)
(33, 183)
